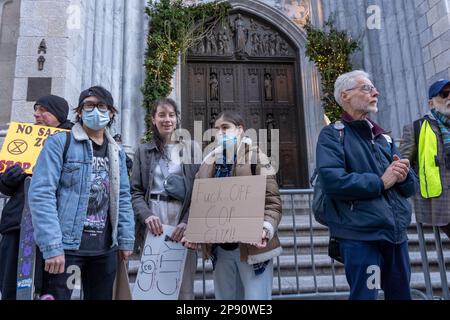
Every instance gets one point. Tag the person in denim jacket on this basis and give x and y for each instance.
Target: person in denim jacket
(81, 205)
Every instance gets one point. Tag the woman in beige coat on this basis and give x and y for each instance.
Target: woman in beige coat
(243, 271)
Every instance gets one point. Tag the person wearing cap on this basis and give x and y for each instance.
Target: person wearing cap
(81, 205)
(426, 143)
(51, 111)
(366, 185)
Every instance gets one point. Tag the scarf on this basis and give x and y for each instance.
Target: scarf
(444, 128)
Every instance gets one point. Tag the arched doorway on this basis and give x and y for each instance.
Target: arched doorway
(247, 65)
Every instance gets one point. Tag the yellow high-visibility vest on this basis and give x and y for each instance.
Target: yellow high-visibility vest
(429, 176)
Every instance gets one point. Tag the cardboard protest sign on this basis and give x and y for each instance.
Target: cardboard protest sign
(161, 269)
(227, 210)
(22, 145)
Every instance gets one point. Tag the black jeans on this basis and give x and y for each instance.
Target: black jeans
(97, 277)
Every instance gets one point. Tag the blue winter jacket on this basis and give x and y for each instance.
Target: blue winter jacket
(357, 207)
(59, 194)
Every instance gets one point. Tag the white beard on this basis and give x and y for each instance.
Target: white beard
(373, 108)
(445, 109)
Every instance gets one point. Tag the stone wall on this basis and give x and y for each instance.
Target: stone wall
(89, 42)
(434, 27)
(391, 52)
(9, 32)
(39, 20)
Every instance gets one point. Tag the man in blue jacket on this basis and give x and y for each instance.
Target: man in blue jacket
(81, 204)
(366, 184)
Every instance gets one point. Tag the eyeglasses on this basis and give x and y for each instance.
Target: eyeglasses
(364, 88)
(444, 94)
(89, 106)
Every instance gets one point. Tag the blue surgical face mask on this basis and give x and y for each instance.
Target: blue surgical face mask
(227, 140)
(96, 119)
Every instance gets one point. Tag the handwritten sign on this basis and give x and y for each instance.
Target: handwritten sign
(227, 210)
(22, 145)
(161, 270)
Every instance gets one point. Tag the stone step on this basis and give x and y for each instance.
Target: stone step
(303, 223)
(323, 284)
(323, 265)
(320, 287)
(320, 244)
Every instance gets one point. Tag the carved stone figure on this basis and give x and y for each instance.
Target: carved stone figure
(240, 33)
(213, 87)
(272, 45)
(268, 87)
(266, 43)
(226, 41)
(270, 123)
(212, 43)
(220, 43)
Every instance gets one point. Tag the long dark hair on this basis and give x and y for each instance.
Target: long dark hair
(159, 141)
(233, 117)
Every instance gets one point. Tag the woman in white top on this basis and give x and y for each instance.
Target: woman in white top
(152, 205)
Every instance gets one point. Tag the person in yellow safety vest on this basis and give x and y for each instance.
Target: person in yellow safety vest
(426, 143)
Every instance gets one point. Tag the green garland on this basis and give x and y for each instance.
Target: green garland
(330, 50)
(174, 28)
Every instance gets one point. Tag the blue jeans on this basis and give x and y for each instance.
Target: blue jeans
(371, 265)
(236, 280)
(97, 277)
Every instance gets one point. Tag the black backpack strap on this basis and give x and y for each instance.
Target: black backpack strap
(253, 168)
(66, 145)
(417, 125)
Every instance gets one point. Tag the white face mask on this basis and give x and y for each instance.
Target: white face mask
(95, 119)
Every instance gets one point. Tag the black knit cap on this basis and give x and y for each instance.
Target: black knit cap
(99, 92)
(57, 106)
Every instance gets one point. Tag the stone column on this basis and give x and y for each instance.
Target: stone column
(9, 27)
(392, 55)
(132, 121)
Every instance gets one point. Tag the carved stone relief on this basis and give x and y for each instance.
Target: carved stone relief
(243, 37)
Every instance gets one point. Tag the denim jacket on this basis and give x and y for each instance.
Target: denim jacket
(59, 194)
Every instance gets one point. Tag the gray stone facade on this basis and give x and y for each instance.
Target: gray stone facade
(9, 26)
(405, 46)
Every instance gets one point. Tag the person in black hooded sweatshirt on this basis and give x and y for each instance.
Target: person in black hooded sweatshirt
(51, 111)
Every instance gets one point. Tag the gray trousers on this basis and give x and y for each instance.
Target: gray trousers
(236, 280)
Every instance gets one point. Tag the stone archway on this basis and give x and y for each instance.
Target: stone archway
(250, 66)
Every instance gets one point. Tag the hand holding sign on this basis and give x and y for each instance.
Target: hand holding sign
(161, 269)
(227, 210)
(22, 145)
(13, 176)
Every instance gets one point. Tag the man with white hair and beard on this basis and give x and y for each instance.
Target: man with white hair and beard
(366, 186)
(426, 143)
